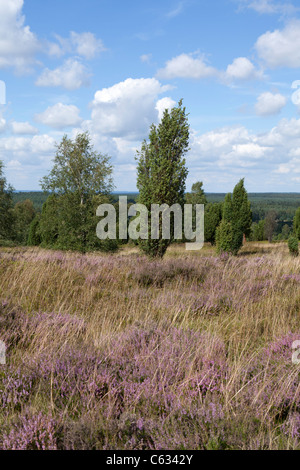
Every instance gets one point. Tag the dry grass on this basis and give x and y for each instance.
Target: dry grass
(52, 301)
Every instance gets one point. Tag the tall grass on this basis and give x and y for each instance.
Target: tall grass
(119, 352)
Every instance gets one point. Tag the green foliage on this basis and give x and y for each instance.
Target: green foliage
(48, 228)
(38, 198)
(258, 231)
(284, 204)
(6, 208)
(237, 211)
(79, 169)
(79, 182)
(242, 215)
(212, 218)
(225, 237)
(34, 237)
(65, 224)
(296, 223)
(270, 225)
(161, 170)
(293, 245)
(24, 214)
(197, 195)
(285, 232)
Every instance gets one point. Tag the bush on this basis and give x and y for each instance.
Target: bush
(34, 238)
(225, 238)
(293, 245)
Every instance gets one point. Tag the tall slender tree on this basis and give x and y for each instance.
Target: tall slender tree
(237, 213)
(161, 170)
(270, 225)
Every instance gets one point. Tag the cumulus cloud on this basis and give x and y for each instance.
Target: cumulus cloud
(21, 147)
(23, 128)
(127, 109)
(186, 66)
(83, 44)
(163, 104)
(60, 116)
(18, 44)
(27, 159)
(281, 48)
(266, 159)
(71, 76)
(242, 69)
(228, 145)
(269, 104)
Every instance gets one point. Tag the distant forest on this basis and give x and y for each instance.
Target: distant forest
(284, 204)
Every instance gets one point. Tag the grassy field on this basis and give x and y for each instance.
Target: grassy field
(118, 352)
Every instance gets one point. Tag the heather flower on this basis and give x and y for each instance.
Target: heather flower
(33, 432)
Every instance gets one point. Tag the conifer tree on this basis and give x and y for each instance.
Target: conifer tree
(236, 212)
(161, 170)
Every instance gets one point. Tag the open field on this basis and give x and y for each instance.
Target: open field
(118, 352)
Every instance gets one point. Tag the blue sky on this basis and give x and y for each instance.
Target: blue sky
(111, 67)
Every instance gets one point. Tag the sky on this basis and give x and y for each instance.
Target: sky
(111, 67)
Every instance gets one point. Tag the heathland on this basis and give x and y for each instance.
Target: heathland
(115, 351)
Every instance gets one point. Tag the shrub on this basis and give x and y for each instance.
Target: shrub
(224, 238)
(293, 245)
(33, 432)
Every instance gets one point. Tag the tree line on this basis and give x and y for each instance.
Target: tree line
(81, 180)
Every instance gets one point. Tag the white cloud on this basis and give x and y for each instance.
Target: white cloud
(23, 128)
(55, 49)
(281, 48)
(71, 76)
(288, 128)
(14, 165)
(27, 159)
(242, 69)
(163, 104)
(87, 45)
(2, 124)
(185, 66)
(43, 144)
(22, 147)
(84, 44)
(269, 104)
(289, 168)
(127, 109)
(60, 116)
(18, 44)
(269, 6)
(268, 159)
(146, 58)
